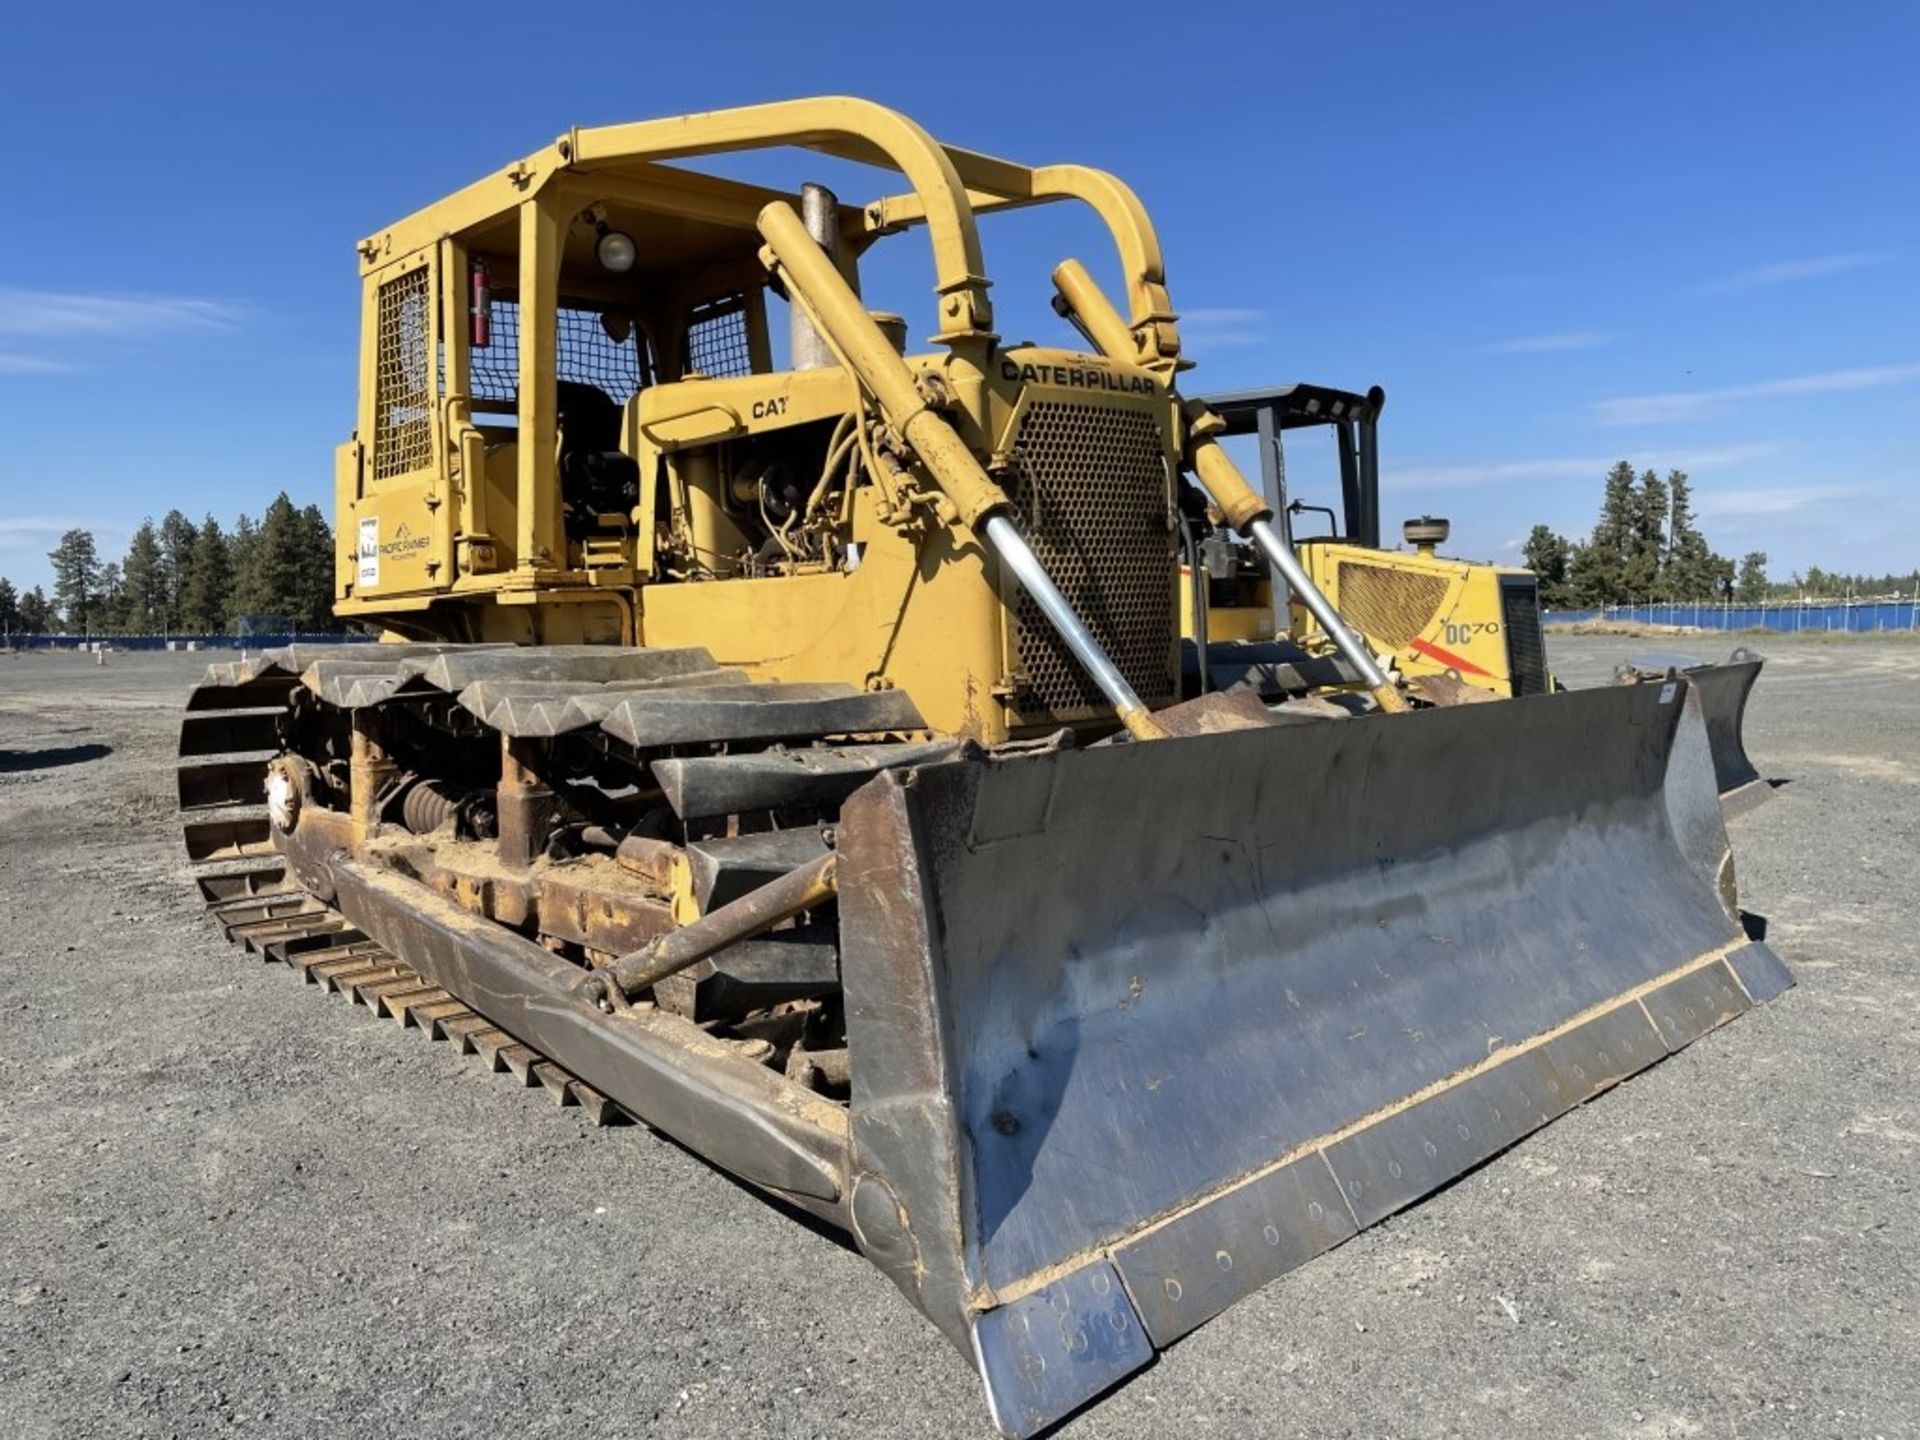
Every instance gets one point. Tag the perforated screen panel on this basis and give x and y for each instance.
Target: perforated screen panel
(403, 378)
(1390, 607)
(588, 355)
(1090, 493)
(1526, 644)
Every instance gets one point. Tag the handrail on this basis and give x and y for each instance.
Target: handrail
(994, 184)
(834, 125)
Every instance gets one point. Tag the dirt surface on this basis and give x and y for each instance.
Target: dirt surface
(230, 1206)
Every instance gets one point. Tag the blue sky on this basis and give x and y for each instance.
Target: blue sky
(1559, 235)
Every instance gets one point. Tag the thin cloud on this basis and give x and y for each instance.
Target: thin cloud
(38, 532)
(1781, 500)
(1700, 404)
(1785, 272)
(66, 315)
(13, 363)
(1222, 328)
(1500, 472)
(1546, 344)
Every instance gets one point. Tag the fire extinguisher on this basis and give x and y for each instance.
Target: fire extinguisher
(482, 305)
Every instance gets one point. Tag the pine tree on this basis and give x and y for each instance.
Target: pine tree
(203, 605)
(315, 571)
(177, 539)
(1547, 554)
(1720, 578)
(36, 616)
(9, 607)
(1643, 574)
(76, 578)
(1691, 571)
(1751, 588)
(272, 583)
(109, 611)
(247, 592)
(144, 575)
(1597, 569)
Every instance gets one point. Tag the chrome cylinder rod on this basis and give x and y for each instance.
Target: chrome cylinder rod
(1008, 543)
(1280, 555)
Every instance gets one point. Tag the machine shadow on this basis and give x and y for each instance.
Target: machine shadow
(17, 761)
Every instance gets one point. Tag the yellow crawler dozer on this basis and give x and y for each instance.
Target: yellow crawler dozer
(1454, 630)
(794, 753)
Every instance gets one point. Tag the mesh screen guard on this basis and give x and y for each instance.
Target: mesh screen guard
(403, 382)
(588, 355)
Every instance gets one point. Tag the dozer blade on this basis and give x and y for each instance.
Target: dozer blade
(1723, 691)
(1139, 1028)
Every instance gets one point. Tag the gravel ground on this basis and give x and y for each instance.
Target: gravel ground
(228, 1206)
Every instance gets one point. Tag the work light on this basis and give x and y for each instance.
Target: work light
(615, 250)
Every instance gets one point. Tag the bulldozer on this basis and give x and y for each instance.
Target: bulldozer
(1455, 630)
(782, 740)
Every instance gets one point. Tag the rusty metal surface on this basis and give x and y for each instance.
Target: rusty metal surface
(1271, 668)
(758, 712)
(1217, 714)
(526, 803)
(231, 732)
(453, 670)
(1460, 915)
(702, 787)
(1205, 971)
(1192, 968)
(234, 834)
(594, 902)
(318, 944)
(1723, 690)
(211, 784)
(751, 915)
(1182, 1275)
(728, 867)
(755, 974)
(549, 708)
(742, 1116)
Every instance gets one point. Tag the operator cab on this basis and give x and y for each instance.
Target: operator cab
(1354, 420)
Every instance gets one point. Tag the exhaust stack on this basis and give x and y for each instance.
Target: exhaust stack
(820, 213)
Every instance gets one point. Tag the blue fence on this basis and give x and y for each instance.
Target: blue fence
(1857, 616)
(256, 641)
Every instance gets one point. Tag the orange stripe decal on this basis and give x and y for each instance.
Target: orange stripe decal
(1447, 657)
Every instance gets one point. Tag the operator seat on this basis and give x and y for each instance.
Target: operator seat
(596, 476)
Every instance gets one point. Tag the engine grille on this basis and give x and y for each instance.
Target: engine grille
(1390, 607)
(1526, 645)
(1090, 493)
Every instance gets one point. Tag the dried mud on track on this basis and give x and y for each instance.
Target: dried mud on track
(230, 1206)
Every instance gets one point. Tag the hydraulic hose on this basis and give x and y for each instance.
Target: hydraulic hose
(818, 288)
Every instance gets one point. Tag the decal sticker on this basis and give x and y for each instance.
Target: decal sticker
(1447, 657)
(369, 551)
